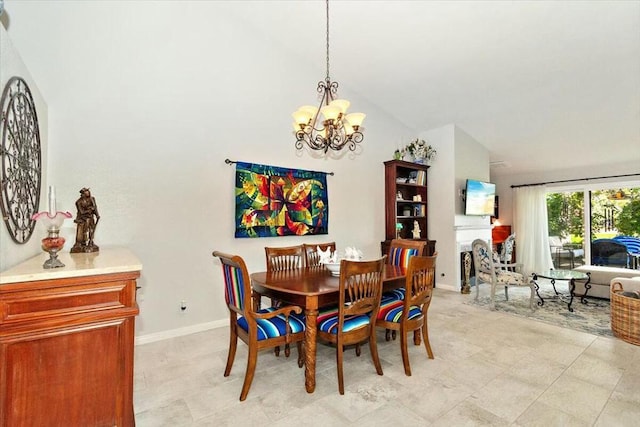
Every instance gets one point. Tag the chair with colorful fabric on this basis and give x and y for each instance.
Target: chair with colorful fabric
(400, 251)
(410, 314)
(311, 256)
(266, 328)
(488, 270)
(353, 320)
(280, 259)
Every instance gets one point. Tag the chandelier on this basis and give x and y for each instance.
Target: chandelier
(336, 129)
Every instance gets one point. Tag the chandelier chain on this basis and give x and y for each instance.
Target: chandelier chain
(327, 2)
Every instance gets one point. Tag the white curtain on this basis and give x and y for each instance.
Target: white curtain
(532, 231)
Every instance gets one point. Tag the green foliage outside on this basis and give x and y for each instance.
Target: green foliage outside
(565, 213)
(629, 219)
(623, 205)
(613, 213)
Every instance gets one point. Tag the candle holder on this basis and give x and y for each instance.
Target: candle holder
(53, 243)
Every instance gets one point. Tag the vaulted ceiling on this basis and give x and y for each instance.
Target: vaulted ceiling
(544, 85)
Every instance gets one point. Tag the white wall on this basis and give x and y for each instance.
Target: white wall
(441, 201)
(11, 64)
(459, 157)
(154, 99)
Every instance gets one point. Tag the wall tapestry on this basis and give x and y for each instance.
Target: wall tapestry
(273, 201)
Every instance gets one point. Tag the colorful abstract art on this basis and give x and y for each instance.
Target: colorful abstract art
(273, 201)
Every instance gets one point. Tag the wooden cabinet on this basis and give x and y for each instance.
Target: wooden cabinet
(67, 340)
(405, 201)
(499, 233)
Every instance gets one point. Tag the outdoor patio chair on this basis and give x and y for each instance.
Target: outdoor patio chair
(609, 252)
(564, 254)
(633, 248)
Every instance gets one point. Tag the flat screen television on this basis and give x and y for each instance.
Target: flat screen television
(479, 198)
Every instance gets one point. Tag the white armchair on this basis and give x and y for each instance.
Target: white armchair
(492, 272)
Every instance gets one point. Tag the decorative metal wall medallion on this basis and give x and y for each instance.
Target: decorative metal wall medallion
(21, 160)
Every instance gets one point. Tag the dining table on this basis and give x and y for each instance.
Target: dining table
(311, 288)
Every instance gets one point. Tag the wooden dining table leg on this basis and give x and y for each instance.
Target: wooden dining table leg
(311, 315)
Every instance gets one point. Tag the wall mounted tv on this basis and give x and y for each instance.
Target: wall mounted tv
(479, 198)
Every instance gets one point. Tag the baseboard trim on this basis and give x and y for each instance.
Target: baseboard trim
(447, 287)
(173, 333)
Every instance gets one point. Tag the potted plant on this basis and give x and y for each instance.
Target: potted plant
(421, 151)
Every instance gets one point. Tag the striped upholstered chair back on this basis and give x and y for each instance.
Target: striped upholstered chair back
(401, 250)
(237, 285)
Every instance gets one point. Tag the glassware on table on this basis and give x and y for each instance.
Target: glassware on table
(53, 243)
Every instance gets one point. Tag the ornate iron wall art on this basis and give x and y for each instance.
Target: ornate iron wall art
(273, 201)
(21, 158)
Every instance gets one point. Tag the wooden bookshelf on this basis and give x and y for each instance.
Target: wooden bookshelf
(406, 189)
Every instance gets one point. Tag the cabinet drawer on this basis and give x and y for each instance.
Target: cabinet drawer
(64, 300)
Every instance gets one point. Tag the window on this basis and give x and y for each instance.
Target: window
(583, 214)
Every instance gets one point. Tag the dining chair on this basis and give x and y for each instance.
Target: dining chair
(284, 258)
(311, 256)
(266, 328)
(400, 252)
(280, 259)
(353, 320)
(489, 270)
(410, 314)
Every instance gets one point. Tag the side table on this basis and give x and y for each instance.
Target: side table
(568, 275)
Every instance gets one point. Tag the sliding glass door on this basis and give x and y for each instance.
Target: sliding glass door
(593, 224)
(565, 212)
(615, 227)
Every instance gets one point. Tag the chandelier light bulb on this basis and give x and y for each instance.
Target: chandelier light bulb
(310, 109)
(342, 104)
(330, 112)
(355, 119)
(301, 117)
(348, 129)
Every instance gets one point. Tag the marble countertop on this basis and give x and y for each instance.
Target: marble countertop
(107, 260)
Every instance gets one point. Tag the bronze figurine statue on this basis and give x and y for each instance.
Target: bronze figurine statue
(87, 220)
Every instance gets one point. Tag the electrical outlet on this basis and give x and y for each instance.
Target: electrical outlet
(183, 305)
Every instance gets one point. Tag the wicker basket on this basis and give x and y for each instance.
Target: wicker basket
(625, 315)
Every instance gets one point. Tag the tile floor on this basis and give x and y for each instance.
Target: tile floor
(489, 369)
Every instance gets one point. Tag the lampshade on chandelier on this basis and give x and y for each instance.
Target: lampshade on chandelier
(336, 129)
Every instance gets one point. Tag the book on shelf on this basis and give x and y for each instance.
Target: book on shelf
(421, 177)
